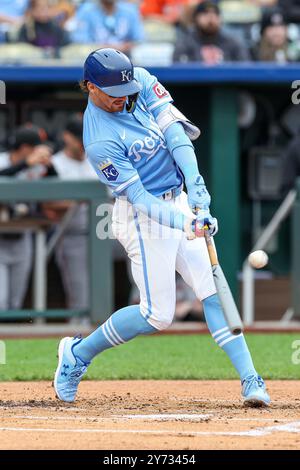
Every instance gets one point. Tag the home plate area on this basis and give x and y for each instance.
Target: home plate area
(173, 415)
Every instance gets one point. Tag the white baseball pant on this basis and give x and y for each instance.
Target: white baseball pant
(156, 253)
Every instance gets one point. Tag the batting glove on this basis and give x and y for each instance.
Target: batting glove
(205, 218)
(198, 196)
(195, 228)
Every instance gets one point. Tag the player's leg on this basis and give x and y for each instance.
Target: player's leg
(153, 269)
(154, 272)
(196, 271)
(194, 266)
(75, 354)
(253, 387)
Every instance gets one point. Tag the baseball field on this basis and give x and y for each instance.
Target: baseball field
(161, 392)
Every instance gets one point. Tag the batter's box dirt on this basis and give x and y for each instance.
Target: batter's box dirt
(148, 415)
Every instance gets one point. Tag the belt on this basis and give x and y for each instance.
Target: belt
(171, 194)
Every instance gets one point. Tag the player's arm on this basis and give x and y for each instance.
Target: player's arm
(115, 170)
(182, 150)
(183, 153)
(178, 132)
(173, 125)
(163, 213)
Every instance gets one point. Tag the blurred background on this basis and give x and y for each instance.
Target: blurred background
(232, 67)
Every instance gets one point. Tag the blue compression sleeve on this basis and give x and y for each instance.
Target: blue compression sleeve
(155, 208)
(182, 150)
(180, 146)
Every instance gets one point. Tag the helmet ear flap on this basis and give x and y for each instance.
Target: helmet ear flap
(131, 102)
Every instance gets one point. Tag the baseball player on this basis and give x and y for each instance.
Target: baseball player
(140, 146)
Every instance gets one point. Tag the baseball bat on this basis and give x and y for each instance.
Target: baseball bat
(230, 310)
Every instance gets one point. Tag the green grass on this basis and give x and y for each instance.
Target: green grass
(159, 357)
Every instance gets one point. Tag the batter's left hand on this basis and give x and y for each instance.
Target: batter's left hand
(204, 218)
(194, 228)
(198, 196)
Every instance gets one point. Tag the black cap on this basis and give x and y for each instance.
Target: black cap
(75, 126)
(205, 7)
(26, 135)
(274, 17)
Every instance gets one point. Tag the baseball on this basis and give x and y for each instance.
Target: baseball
(258, 259)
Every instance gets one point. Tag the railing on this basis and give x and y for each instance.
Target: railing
(100, 264)
(248, 272)
(228, 73)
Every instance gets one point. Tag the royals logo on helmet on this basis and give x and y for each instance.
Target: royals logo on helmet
(126, 75)
(109, 170)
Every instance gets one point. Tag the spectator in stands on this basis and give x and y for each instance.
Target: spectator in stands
(62, 11)
(27, 159)
(205, 41)
(11, 15)
(274, 45)
(108, 23)
(72, 250)
(29, 156)
(41, 30)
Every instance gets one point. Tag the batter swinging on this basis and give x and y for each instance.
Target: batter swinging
(140, 146)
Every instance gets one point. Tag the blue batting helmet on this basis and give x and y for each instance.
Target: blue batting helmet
(112, 72)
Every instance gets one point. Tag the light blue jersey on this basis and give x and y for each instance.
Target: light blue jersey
(92, 24)
(125, 147)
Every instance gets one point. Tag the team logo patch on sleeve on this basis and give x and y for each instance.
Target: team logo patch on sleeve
(109, 170)
(160, 91)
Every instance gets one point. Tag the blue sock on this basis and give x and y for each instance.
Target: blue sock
(123, 325)
(235, 346)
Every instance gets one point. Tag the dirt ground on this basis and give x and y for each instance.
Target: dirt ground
(148, 415)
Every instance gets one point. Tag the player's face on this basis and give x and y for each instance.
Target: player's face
(104, 101)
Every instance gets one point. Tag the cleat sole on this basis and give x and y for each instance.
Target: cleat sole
(255, 403)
